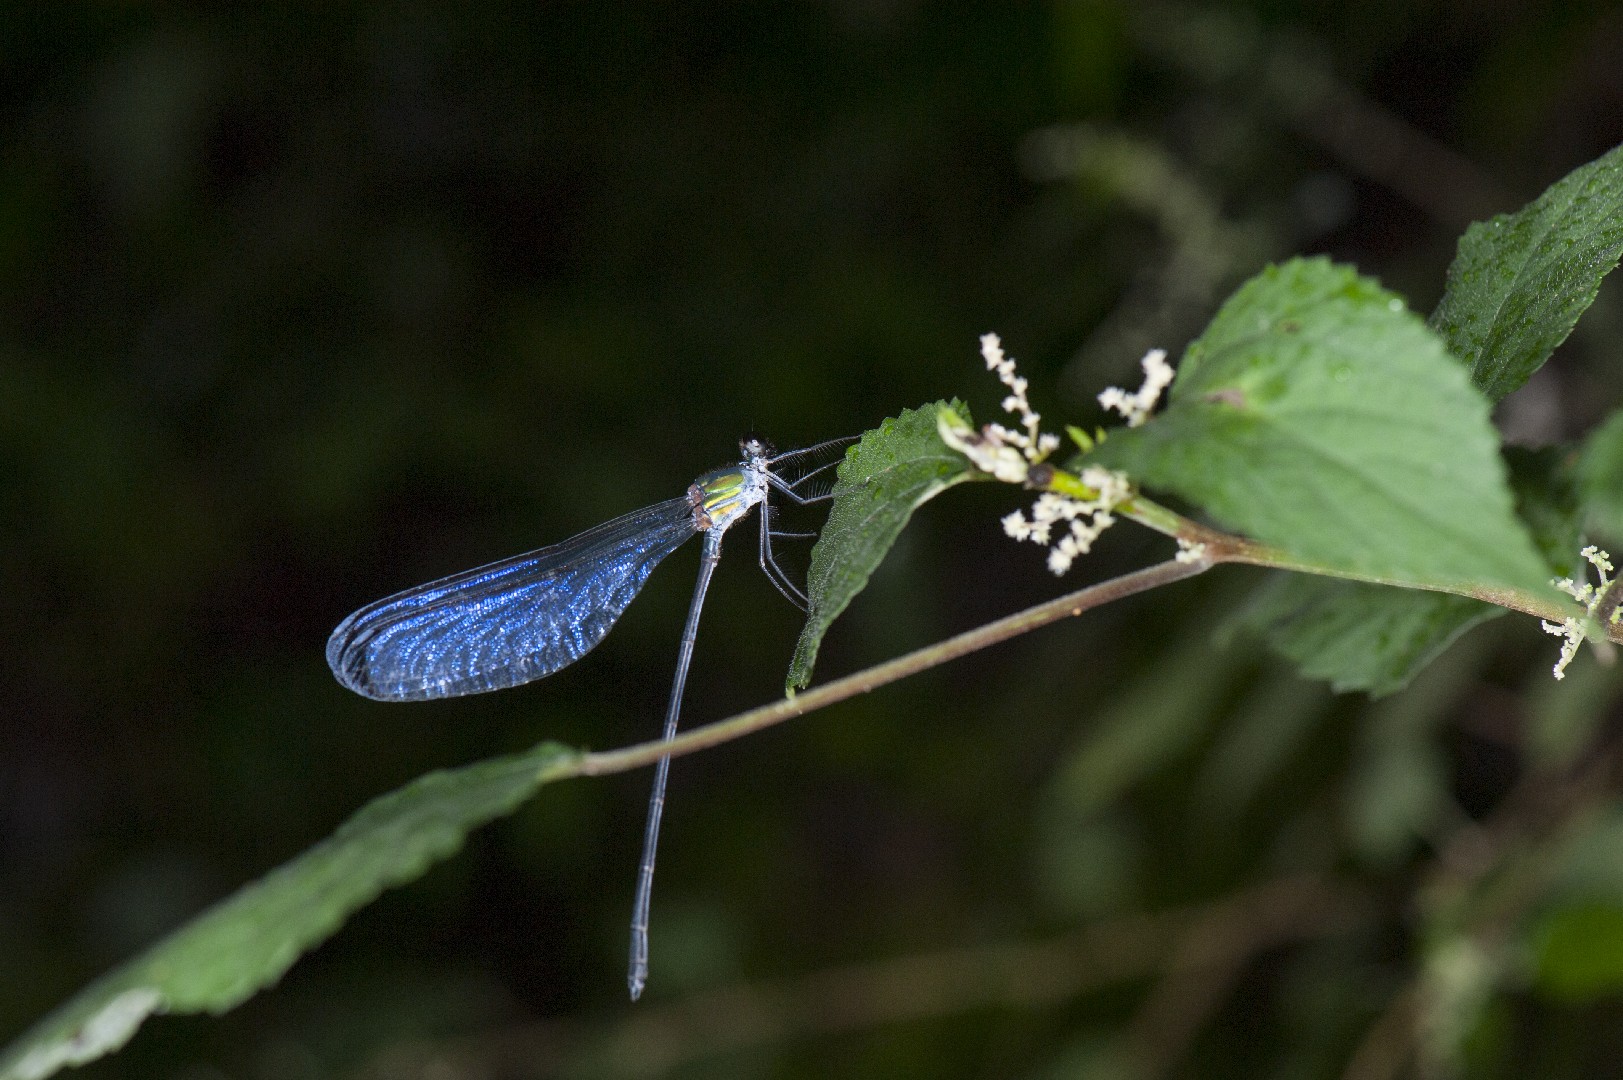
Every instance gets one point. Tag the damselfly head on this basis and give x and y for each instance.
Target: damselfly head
(756, 447)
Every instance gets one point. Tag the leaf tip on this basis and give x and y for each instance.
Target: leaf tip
(109, 1028)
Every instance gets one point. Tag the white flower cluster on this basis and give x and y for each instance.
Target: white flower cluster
(1084, 519)
(1032, 444)
(1068, 522)
(1136, 407)
(1586, 594)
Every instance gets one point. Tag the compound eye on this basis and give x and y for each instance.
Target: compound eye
(755, 446)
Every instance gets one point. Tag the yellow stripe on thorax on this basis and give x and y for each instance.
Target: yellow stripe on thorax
(722, 497)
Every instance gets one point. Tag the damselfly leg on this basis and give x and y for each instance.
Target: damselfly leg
(807, 489)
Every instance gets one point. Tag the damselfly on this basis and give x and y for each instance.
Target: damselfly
(525, 617)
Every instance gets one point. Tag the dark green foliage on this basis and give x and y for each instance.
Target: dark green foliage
(1521, 280)
(1356, 636)
(247, 942)
(1317, 414)
(894, 470)
(1515, 291)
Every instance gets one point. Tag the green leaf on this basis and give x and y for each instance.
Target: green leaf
(1376, 639)
(895, 469)
(1580, 953)
(247, 941)
(1318, 415)
(1520, 281)
(1600, 478)
(1356, 636)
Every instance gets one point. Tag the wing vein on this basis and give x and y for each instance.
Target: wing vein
(511, 621)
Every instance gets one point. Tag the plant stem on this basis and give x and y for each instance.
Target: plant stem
(818, 697)
(1222, 547)
(1235, 549)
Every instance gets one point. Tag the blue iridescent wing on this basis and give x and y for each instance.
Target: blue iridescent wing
(509, 622)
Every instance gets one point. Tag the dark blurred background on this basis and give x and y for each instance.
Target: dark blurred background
(302, 304)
